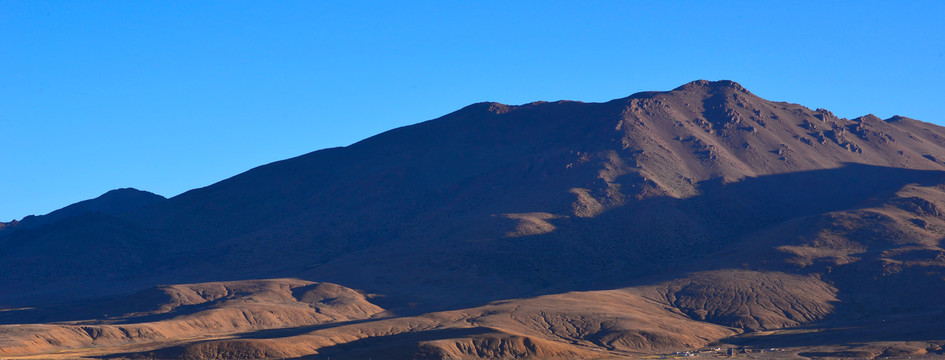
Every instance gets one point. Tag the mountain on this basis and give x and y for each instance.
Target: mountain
(110, 203)
(700, 217)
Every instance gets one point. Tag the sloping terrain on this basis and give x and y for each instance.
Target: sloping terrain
(696, 218)
(413, 209)
(182, 312)
(220, 320)
(111, 203)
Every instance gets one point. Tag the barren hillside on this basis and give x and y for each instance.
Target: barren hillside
(699, 218)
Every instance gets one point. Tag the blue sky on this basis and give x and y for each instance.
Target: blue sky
(168, 96)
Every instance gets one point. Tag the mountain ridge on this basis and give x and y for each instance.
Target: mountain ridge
(699, 201)
(112, 202)
(661, 154)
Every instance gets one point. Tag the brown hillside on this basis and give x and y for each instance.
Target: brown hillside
(700, 217)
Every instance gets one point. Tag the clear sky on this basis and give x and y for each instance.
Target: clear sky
(168, 96)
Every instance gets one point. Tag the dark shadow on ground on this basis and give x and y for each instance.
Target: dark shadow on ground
(286, 332)
(926, 325)
(140, 307)
(399, 346)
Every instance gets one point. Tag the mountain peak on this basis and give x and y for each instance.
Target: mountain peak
(711, 85)
(868, 118)
(112, 202)
(899, 118)
(485, 106)
(129, 191)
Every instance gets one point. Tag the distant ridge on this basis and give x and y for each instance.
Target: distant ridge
(111, 203)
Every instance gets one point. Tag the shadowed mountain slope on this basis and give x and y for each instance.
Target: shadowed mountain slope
(704, 208)
(465, 180)
(110, 203)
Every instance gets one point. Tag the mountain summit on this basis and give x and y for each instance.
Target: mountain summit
(659, 222)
